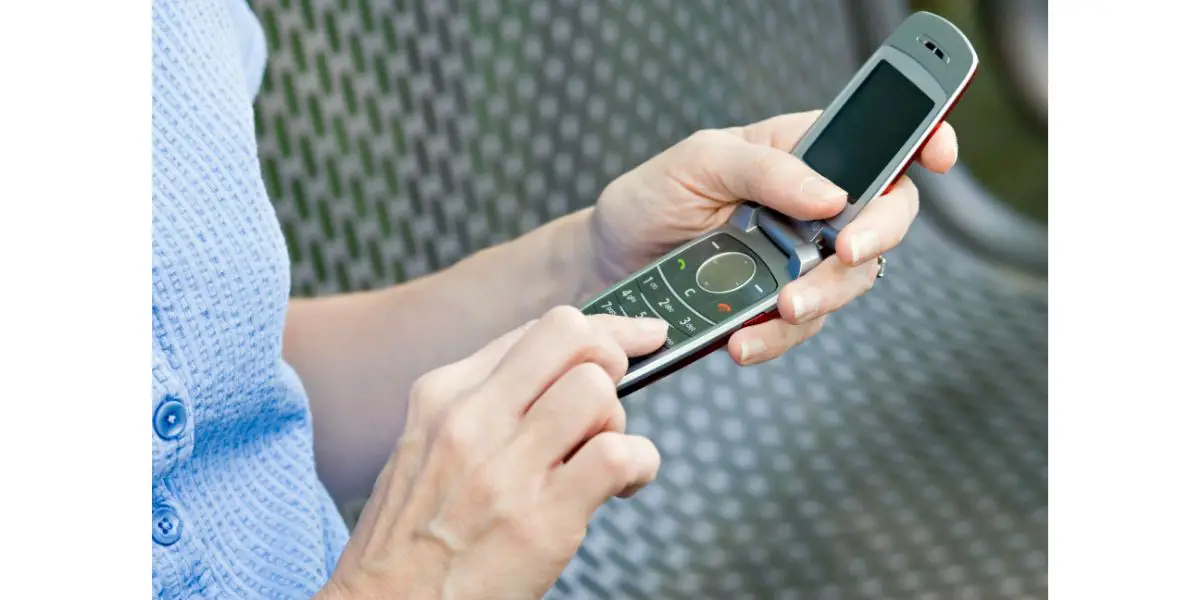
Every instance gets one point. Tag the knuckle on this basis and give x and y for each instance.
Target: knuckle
(485, 490)
(613, 454)
(458, 432)
(615, 415)
(768, 173)
(429, 391)
(868, 284)
(870, 272)
(803, 334)
(792, 296)
(707, 137)
(595, 390)
(592, 381)
(794, 336)
(907, 199)
(610, 353)
(766, 165)
(590, 342)
(567, 320)
(425, 387)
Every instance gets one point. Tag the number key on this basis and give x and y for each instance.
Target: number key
(668, 306)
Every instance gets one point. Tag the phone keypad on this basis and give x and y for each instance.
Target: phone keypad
(704, 285)
(668, 306)
(674, 336)
(629, 298)
(608, 305)
(719, 277)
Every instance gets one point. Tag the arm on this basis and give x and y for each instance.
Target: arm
(358, 354)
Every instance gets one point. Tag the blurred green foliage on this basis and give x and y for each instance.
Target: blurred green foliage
(1002, 149)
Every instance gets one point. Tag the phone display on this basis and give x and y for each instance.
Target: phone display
(874, 123)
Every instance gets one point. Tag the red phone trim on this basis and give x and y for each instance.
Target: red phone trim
(702, 352)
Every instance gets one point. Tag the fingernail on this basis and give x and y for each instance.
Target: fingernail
(863, 245)
(806, 303)
(751, 348)
(819, 188)
(652, 325)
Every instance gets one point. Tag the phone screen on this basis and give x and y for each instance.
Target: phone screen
(872, 126)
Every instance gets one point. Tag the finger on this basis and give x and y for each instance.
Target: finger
(880, 226)
(472, 370)
(941, 151)
(827, 288)
(383, 494)
(784, 132)
(481, 364)
(724, 166)
(781, 131)
(578, 406)
(489, 356)
(561, 339)
(607, 465)
(632, 489)
(768, 341)
(633, 340)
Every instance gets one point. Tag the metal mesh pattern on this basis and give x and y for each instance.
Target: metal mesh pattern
(901, 454)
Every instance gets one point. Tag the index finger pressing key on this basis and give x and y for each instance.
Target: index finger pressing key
(565, 337)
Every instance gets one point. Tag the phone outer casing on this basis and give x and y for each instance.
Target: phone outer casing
(790, 248)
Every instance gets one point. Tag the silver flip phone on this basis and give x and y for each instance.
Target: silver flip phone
(730, 278)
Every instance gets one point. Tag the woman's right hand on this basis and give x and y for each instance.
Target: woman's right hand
(505, 457)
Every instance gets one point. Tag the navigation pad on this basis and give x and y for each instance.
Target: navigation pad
(704, 285)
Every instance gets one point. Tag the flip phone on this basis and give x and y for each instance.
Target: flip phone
(730, 278)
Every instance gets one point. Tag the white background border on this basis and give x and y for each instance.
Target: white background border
(75, 267)
(75, 432)
(1124, 300)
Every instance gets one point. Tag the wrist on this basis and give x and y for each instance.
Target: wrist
(579, 258)
(417, 569)
(334, 590)
(406, 583)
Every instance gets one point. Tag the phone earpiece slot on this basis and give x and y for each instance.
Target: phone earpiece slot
(933, 48)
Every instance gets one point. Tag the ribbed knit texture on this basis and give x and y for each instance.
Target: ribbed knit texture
(253, 519)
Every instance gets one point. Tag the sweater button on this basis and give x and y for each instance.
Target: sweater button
(170, 419)
(167, 526)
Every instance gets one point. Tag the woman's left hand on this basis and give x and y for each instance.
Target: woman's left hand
(694, 186)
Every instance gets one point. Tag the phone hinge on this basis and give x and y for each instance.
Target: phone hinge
(801, 241)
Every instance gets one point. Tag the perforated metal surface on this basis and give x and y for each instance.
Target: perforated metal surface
(901, 454)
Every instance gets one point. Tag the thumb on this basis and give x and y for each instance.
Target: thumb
(741, 170)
